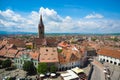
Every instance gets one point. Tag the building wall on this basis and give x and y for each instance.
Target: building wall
(109, 60)
(19, 62)
(70, 65)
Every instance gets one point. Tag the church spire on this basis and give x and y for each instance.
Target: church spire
(41, 22)
(41, 28)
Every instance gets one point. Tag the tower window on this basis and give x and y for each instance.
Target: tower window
(41, 32)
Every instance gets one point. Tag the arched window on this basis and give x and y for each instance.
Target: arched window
(107, 60)
(115, 63)
(118, 64)
(18, 61)
(104, 60)
(21, 61)
(111, 62)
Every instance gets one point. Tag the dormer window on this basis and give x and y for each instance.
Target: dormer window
(48, 58)
(47, 50)
(53, 50)
(54, 58)
(52, 54)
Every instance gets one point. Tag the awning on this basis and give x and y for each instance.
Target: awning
(53, 74)
(70, 75)
(77, 70)
(42, 75)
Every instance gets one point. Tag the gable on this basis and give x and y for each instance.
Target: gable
(73, 57)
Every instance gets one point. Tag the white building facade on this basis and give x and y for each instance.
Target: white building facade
(67, 66)
(109, 59)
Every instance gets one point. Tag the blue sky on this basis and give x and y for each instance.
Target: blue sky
(80, 16)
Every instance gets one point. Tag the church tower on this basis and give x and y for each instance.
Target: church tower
(41, 28)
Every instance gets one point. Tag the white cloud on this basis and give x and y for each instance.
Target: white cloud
(94, 15)
(11, 20)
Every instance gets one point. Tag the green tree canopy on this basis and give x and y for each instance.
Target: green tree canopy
(59, 50)
(93, 39)
(42, 68)
(6, 63)
(29, 67)
(53, 68)
(116, 39)
(1, 62)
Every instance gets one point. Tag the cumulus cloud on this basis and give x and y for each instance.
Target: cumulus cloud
(94, 15)
(54, 23)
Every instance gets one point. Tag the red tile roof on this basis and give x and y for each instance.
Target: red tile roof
(109, 52)
(17, 42)
(51, 42)
(39, 41)
(63, 44)
(34, 55)
(11, 53)
(3, 51)
(69, 55)
(19, 54)
(48, 54)
(4, 42)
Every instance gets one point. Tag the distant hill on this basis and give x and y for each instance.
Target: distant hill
(54, 34)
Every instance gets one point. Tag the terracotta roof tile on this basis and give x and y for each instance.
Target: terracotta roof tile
(34, 55)
(16, 42)
(109, 52)
(63, 44)
(11, 53)
(48, 54)
(69, 55)
(3, 51)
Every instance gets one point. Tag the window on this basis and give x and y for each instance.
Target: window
(53, 50)
(21, 61)
(18, 61)
(118, 64)
(48, 58)
(115, 63)
(72, 63)
(41, 32)
(107, 60)
(54, 58)
(39, 27)
(47, 50)
(35, 63)
(52, 54)
(111, 62)
(103, 59)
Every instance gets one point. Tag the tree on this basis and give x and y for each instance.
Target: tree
(6, 63)
(1, 62)
(93, 39)
(116, 39)
(53, 68)
(29, 67)
(59, 50)
(42, 68)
